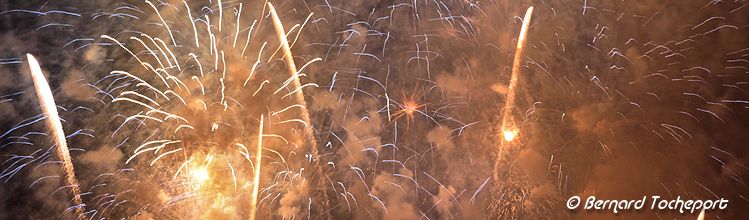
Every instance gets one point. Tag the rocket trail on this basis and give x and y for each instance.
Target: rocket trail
(299, 94)
(281, 33)
(509, 128)
(258, 160)
(47, 102)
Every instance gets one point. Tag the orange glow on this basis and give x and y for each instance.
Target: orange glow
(199, 176)
(409, 107)
(509, 135)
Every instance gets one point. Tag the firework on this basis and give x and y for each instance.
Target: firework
(47, 102)
(509, 128)
(509, 132)
(309, 136)
(296, 84)
(201, 99)
(373, 110)
(258, 161)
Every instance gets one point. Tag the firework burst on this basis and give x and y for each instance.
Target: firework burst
(196, 95)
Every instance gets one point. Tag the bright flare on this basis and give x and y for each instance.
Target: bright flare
(199, 176)
(509, 135)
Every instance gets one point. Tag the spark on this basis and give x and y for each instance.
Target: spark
(409, 107)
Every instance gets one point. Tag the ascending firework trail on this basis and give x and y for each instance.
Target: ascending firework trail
(47, 102)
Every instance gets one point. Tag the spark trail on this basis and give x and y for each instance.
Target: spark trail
(299, 94)
(47, 102)
(509, 128)
(258, 160)
(509, 131)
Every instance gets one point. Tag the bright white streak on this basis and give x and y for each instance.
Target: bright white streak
(47, 102)
(258, 159)
(220, 15)
(309, 133)
(194, 30)
(236, 34)
(164, 22)
(293, 71)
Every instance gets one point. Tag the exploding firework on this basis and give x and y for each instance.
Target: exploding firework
(202, 98)
(182, 106)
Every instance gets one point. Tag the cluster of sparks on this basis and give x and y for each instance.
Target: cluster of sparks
(174, 88)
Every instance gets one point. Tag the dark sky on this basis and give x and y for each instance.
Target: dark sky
(618, 100)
